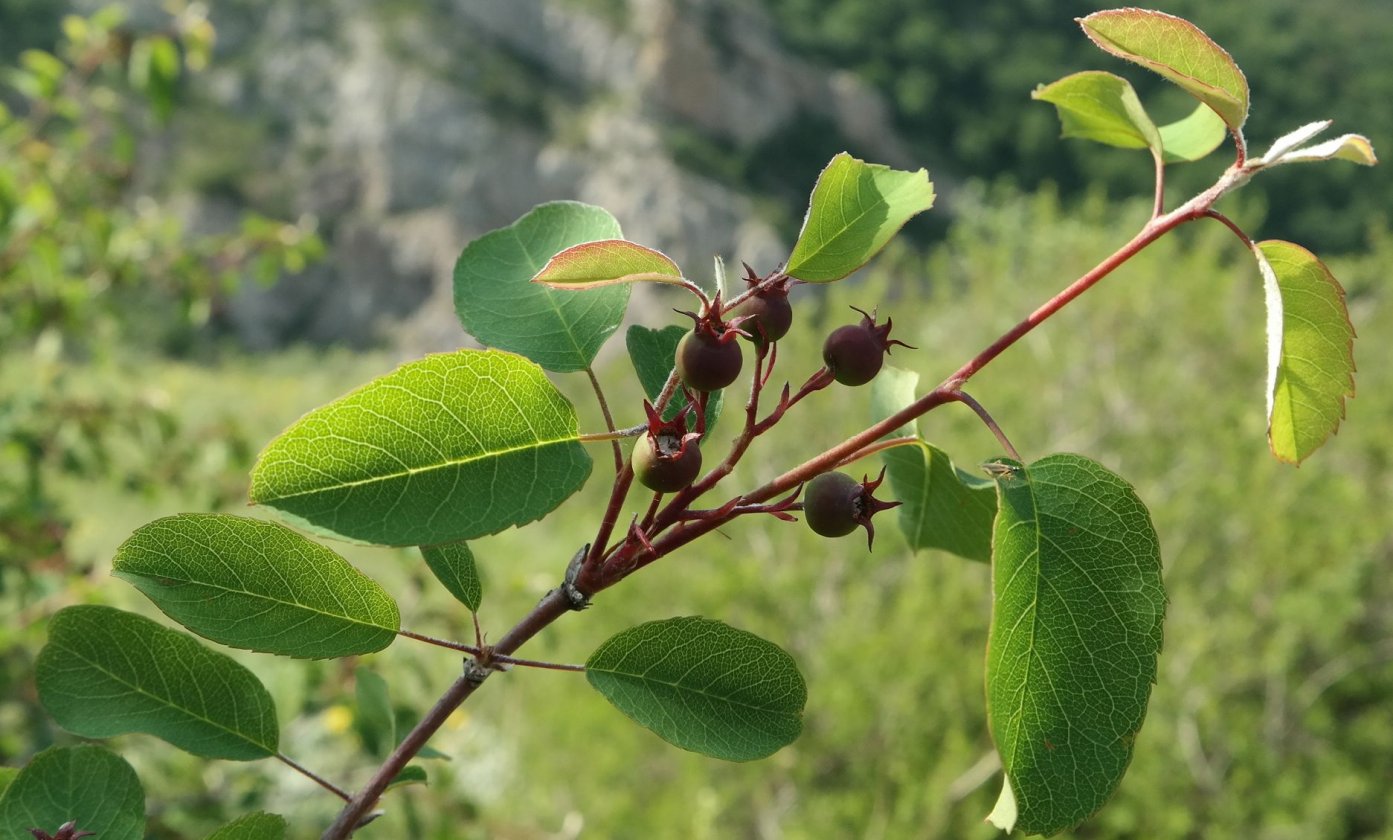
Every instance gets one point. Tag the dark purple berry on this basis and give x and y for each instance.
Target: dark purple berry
(835, 504)
(767, 315)
(855, 353)
(708, 356)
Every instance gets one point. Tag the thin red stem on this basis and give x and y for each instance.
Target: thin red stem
(990, 422)
(314, 777)
(609, 418)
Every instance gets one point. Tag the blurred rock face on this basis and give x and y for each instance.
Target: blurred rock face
(409, 128)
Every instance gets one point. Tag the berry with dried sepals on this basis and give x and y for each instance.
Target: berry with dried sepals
(708, 357)
(767, 315)
(855, 353)
(667, 457)
(835, 504)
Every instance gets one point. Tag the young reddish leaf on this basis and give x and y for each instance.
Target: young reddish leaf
(1194, 137)
(855, 208)
(1099, 106)
(604, 263)
(1179, 51)
(1310, 350)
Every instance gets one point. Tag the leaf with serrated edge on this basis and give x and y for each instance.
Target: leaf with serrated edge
(107, 672)
(652, 353)
(1077, 611)
(1177, 50)
(856, 208)
(450, 447)
(453, 565)
(499, 305)
(1310, 349)
(1102, 107)
(703, 686)
(257, 585)
(88, 785)
(593, 264)
(1192, 138)
(256, 826)
(942, 506)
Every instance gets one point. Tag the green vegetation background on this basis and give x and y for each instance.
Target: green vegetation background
(1271, 718)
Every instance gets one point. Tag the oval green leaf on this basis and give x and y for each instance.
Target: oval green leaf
(499, 305)
(411, 774)
(1075, 633)
(1102, 107)
(1177, 50)
(856, 208)
(1310, 349)
(257, 585)
(107, 672)
(652, 353)
(1194, 137)
(942, 507)
(453, 565)
(450, 447)
(88, 785)
(703, 686)
(374, 721)
(256, 826)
(607, 263)
(7, 775)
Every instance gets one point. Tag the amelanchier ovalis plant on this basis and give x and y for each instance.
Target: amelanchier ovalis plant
(461, 445)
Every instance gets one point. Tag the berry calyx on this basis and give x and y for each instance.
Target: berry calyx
(835, 504)
(856, 352)
(708, 357)
(766, 315)
(666, 457)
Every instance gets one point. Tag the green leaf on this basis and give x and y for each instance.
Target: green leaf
(703, 686)
(411, 774)
(1076, 629)
(453, 565)
(1099, 106)
(7, 775)
(653, 354)
(606, 263)
(1194, 137)
(374, 720)
(1310, 349)
(106, 672)
(450, 447)
(257, 585)
(855, 209)
(256, 826)
(943, 507)
(89, 785)
(499, 305)
(1179, 51)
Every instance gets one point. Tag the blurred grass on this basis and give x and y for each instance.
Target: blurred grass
(1273, 716)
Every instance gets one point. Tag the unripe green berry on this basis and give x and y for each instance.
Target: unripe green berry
(664, 463)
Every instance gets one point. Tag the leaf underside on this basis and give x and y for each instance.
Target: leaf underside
(89, 785)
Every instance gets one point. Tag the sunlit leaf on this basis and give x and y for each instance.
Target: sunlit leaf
(257, 585)
(652, 353)
(856, 208)
(453, 565)
(107, 672)
(606, 263)
(1179, 51)
(499, 305)
(256, 826)
(703, 686)
(450, 447)
(1194, 137)
(1310, 350)
(1076, 629)
(1102, 107)
(87, 785)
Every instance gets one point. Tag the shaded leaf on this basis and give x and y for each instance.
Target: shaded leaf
(1075, 633)
(450, 447)
(453, 565)
(653, 353)
(257, 826)
(942, 506)
(1099, 106)
(373, 719)
(411, 774)
(107, 672)
(499, 305)
(1310, 349)
(1179, 51)
(88, 785)
(1194, 137)
(856, 208)
(605, 263)
(703, 686)
(257, 585)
